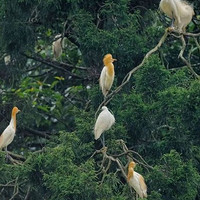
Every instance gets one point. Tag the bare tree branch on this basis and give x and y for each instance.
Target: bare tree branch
(57, 65)
(16, 156)
(196, 42)
(28, 193)
(108, 159)
(129, 74)
(192, 34)
(184, 60)
(16, 189)
(38, 133)
(14, 161)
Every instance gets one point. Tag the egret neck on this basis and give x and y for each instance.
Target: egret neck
(13, 121)
(110, 68)
(130, 173)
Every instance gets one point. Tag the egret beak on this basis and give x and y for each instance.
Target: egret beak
(114, 59)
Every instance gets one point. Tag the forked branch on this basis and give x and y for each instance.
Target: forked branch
(107, 160)
(186, 61)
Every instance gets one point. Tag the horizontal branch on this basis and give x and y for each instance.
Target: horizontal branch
(38, 133)
(192, 34)
(16, 156)
(57, 65)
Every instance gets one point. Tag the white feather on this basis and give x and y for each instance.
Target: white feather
(106, 81)
(179, 10)
(7, 136)
(7, 59)
(9, 133)
(57, 46)
(104, 122)
(138, 184)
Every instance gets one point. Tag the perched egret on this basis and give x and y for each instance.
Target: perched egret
(8, 134)
(7, 59)
(57, 46)
(104, 122)
(107, 74)
(179, 11)
(136, 181)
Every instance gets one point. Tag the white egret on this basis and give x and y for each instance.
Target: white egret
(136, 181)
(103, 123)
(8, 134)
(57, 46)
(107, 74)
(179, 11)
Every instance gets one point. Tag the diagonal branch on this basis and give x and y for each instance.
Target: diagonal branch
(196, 42)
(38, 133)
(58, 66)
(108, 159)
(129, 74)
(16, 156)
(184, 60)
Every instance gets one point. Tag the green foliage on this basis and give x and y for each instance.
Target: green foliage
(174, 178)
(157, 113)
(152, 78)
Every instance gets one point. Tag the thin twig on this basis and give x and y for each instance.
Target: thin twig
(196, 42)
(16, 189)
(28, 193)
(16, 156)
(129, 74)
(56, 65)
(38, 133)
(108, 159)
(184, 60)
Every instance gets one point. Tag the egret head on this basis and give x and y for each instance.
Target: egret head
(104, 108)
(58, 36)
(132, 164)
(15, 110)
(108, 59)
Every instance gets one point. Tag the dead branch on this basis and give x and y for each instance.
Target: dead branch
(129, 152)
(192, 34)
(16, 189)
(56, 65)
(38, 133)
(16, 156)
(28, 193)
(108, 159)
(184, 60)
(8, 184)
(14, 161)
(196, 42)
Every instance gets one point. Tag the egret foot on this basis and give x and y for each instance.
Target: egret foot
(7, 157)
(170, 29)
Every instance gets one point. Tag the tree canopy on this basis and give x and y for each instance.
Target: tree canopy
(155, 99)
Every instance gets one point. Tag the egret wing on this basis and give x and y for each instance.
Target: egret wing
(103, 80)
(7, 136)
(102, 124)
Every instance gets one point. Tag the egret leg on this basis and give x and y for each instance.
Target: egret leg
(103, 139)
(103, 136)
(171, 28)
(172, 24)
(7, 156)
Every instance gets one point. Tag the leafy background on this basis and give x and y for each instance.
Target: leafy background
(157, 113)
